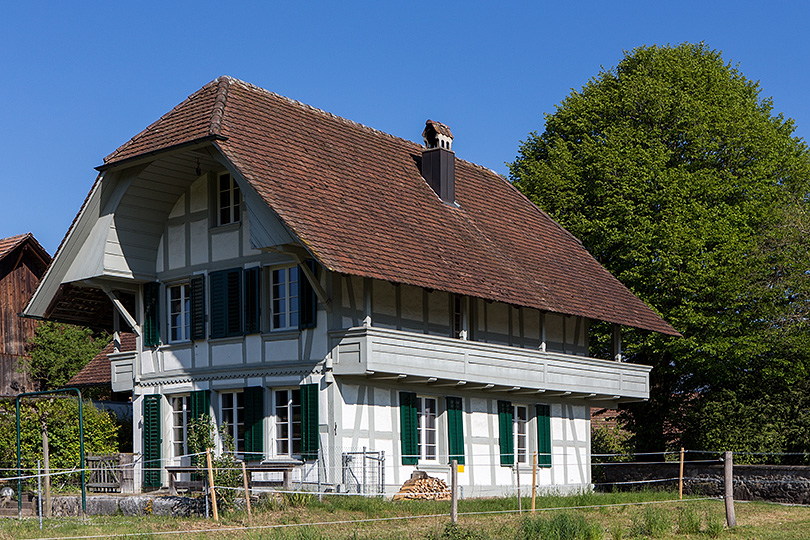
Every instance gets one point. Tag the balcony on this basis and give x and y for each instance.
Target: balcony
(417, 358)
(122, 370)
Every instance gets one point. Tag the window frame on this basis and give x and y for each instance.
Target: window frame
(291, 409)
(185, 312)
(521, 450)
(185, 415)
(233, 208)
(292, 317)
(422, 429)
(237, 411)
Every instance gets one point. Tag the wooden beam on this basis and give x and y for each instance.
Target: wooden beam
(136, 329)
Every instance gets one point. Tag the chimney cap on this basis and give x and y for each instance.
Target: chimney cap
(437, 135)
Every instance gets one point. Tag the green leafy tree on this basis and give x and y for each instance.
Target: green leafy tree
(677, 177)
(59, 351)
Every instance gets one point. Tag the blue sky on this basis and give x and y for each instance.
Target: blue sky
(82, 78)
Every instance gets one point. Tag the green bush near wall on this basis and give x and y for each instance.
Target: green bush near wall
(62, 417)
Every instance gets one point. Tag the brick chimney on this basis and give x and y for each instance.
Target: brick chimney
(439, 161)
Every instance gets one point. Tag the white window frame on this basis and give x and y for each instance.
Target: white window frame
(520, 432)
(229, 210)
(236, 423)
(182, 332)
(183, 413)
(285, 300)
(426, 425)
(285, 410)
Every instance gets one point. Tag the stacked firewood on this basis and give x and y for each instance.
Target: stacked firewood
(423, 487)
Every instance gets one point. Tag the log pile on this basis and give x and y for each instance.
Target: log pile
(420, 486)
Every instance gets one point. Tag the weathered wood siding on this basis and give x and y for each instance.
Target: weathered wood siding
(19, 276)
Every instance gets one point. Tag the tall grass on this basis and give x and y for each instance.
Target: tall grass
(560, 526)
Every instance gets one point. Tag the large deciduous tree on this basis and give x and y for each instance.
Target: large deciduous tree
(676, 175)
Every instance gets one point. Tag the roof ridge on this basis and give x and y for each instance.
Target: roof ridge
(218, 113)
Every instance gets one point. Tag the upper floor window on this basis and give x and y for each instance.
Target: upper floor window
(426, 428)
(179, 313)
(228, 200)
(459, 317)
(232, 408)
(285, 298)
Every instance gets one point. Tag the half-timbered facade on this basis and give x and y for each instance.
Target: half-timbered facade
(322, 288)
(22, 263)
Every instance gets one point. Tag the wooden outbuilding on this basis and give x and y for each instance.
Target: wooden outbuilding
(23, 262)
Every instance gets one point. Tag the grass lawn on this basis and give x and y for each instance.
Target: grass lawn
(585, 516)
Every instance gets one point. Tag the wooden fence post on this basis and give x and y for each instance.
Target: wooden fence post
(454, 492)
(247, 492)
(211, 484)
(728, 463)
(534, 481)
(680, 478)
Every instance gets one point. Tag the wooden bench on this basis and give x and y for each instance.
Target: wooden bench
(285, 466)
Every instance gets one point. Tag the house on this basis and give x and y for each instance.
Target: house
(22, 263)
(329, 291)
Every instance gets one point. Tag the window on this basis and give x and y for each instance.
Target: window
(426, 428)
(284, 300)
(179, 313)
(180, 417)
(458, 317)
(232, 409)
(521, 423)
(228, 200)
(288, 422)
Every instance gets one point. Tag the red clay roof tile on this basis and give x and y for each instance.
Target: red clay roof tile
(356, 200)
(97, 370)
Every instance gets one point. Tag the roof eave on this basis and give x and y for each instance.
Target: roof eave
(201, 141)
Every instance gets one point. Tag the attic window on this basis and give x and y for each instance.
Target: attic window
(228, 200)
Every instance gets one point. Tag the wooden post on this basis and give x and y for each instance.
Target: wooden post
(247, 492)
(211, 484)
(520, 501)
(46, 463)
(454, 492)
(534, 480)
(680, 478)
(728, 463)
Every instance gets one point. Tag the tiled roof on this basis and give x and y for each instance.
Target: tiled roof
(7, 245)
(356, 200)
(97, 370)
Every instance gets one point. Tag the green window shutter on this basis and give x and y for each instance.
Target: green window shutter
(219, 299)
(254, 423)
(197, 286)
(308, 300)
(408, 425)
(226, 303)
(252, 300)
(543, 436)
(309, 421)
(200, 402)
(505, 434)
(234, 314)
(151, 303)
(151, 441)
(455, 429)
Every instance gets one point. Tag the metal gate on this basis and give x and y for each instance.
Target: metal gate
(364, 472)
